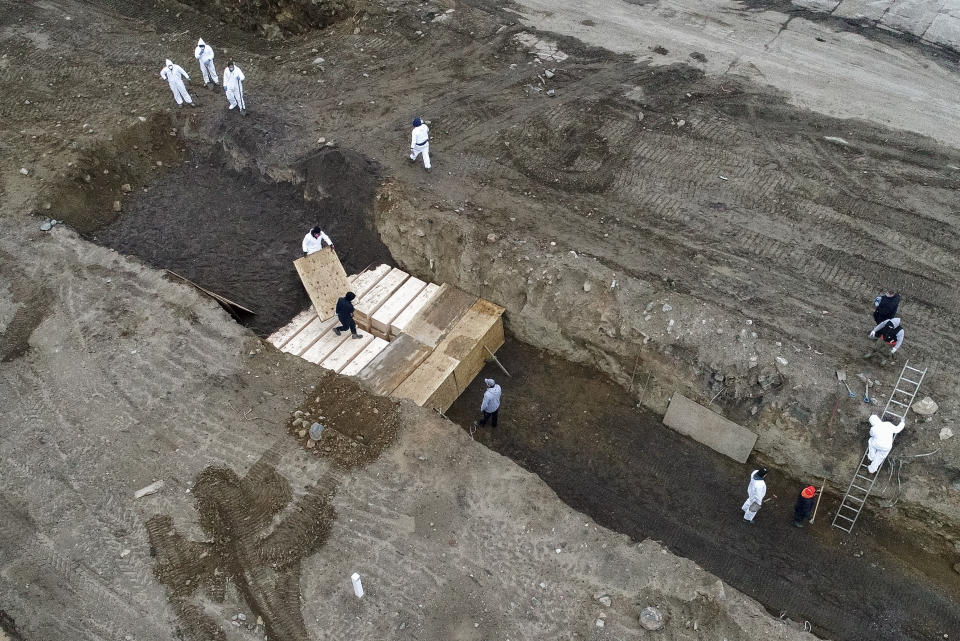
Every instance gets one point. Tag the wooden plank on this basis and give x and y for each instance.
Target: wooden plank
(440, 313)
(283, 335)
(388, 370)
(370, 352)
(708, 427)
(394, 306)
(342, 356)
(410, 311)
(308, 335)
(319, 351)
(470, 352)
(365, 281)
(324, 279)
(223, 300)
(432, 383)
(378, 295)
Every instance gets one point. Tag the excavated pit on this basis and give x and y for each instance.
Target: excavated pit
(236, 232)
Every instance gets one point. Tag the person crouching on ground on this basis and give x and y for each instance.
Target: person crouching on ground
(490, 406)
(345, 314)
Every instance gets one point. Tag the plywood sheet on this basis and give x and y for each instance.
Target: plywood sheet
(378, 295)
(440, 313)
(432, 381)
(394, 306)
(283, 335)
(320, 350)
(388, 370)
(363, 359)
(324, 279)
(400, 322)
(309, 335)
(345, 353)
(707, 427)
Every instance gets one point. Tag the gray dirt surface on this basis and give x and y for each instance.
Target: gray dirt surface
(724, 201)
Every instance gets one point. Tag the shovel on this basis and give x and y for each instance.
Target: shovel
(842, 377)
(867, 383)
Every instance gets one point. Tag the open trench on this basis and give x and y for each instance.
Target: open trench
(218, 220)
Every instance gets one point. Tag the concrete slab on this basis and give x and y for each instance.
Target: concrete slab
(703, 425)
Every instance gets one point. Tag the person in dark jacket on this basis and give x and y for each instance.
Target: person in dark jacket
(804, 505)
(885, 306)
(345, 314)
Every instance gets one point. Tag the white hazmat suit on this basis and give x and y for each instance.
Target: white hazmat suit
(311, 244)
(881, 441)
(204, 55)
(174, 75)
(233, 85)
(756, 490)
(420, 142)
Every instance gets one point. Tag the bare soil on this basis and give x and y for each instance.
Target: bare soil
(582, 434)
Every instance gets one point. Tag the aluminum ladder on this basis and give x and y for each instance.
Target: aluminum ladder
(863, 481)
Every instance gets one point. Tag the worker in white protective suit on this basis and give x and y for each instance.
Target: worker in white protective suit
(204, 55)
(233, 85)
(315, 240)
(174, 75)
(420, 142)
(881, 441)
(756, 490)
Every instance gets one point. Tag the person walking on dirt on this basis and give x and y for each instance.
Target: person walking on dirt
(233, 86)
(315, 240)
(204, 55)
(756, 490)
(174, 75)
(889, 332)
(885, 306)
(804, 505)
(345, 315)
(490, 406)
(881, 441)
(420, 142)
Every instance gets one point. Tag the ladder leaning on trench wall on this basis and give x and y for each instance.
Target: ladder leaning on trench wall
(899, 403)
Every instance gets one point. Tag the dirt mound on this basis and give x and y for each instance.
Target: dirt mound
(274, 16)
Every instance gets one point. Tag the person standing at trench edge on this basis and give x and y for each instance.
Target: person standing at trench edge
(345, 314)
(804, 505)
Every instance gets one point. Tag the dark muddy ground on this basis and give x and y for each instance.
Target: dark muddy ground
(582, 435)
(238, 235)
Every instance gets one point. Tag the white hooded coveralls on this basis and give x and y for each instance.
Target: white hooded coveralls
(174, 75)
(420, 144)
(233, 85)
(205, 58)
(311, 244)
(756, 490)
(881, 441)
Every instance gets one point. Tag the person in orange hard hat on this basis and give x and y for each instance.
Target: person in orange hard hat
(804, 505)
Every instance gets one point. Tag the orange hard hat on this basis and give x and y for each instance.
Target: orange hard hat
(808, 492)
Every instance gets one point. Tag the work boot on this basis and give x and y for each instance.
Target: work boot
(357, 336)
(428, 169)
(337, 331)
(797, 524)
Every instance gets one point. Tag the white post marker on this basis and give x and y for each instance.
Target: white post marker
(357, 586)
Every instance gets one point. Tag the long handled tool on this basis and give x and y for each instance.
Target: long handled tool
(842, 377)
(819, 496)
(867, 383)
(243, 105)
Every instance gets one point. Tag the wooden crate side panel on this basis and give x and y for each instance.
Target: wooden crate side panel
(471, 364)
(378, 295)
(429, 377)
(319, 351)
(445, 394)
(363, 359)
(324, 279)
(283, 335)
(381, 320)
(410, 311)
(389, 369)
(439, 315)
